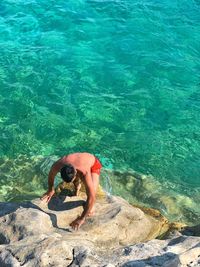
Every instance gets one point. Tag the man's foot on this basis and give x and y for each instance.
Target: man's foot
(91, 212)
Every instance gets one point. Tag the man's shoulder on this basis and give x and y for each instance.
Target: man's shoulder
(87, 155)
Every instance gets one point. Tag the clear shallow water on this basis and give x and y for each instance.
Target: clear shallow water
(116, 78)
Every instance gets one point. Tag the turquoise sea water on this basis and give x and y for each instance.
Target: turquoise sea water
(117, 78)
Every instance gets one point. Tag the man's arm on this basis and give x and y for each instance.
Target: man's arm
(77, 186)
(91, 196)
(53, 171)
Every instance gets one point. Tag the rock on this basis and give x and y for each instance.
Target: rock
(34, 234)
(14, 226)
(114, 223)
(31, 231)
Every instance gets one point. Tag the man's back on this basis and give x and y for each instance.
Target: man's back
(81, 161)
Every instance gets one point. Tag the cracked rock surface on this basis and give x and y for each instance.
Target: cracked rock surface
(34, 234)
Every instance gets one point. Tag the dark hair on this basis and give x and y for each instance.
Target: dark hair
(67, 173)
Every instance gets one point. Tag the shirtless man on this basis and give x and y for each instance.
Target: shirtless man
(74, 168)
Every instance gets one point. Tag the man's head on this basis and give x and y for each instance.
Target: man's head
(68, 172)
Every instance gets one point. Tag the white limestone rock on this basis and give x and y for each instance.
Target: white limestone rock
(34, 234)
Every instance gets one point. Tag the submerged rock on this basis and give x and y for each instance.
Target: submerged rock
(177, 204)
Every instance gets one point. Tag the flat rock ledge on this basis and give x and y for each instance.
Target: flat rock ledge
(34, 234)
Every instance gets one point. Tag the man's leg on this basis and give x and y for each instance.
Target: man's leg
(95, 179)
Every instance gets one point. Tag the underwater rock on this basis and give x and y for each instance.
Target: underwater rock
(146, 190)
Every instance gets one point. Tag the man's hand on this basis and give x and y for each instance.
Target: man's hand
(76, 224)
(48, 195)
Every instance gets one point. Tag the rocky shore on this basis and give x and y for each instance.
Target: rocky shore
(26, 178)
(34, 234)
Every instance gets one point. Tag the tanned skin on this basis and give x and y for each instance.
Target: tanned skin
(82, 162)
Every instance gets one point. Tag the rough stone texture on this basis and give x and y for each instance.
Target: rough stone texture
(33, 234)
(115, 221)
